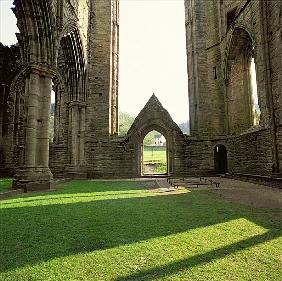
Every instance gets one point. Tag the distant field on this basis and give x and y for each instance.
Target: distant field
(152, 154)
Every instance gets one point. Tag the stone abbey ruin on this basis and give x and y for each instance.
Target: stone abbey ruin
(72, 47)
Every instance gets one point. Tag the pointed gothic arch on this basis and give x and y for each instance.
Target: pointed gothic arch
(155, 117)
(243, 109)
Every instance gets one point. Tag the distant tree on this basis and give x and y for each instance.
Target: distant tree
(125, 122)
(52, 109)
(150, 138)
(10, 63)
(184, 127)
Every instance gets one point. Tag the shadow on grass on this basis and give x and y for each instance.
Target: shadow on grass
(89, 186)
(41, 233)
(172, 268)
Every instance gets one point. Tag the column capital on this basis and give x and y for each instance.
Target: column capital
(42, 70)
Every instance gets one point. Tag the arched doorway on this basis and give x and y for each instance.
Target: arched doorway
(220, 159)
(154, 154)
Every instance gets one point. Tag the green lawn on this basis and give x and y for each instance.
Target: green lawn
(5, 184)
(155, 155)
(89, 230)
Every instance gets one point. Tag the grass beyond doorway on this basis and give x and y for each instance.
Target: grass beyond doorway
(90, 230)
(156, 157)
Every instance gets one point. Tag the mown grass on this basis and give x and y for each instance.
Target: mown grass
(5, 184)
(120, 231)
(156, 155)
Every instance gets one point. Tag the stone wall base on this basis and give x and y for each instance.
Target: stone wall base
(76, 172)
(33, 179)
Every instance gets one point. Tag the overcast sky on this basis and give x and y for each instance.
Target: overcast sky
(153, 56)
(152, 53)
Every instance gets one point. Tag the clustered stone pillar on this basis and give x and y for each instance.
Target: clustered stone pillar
(35, 173)
(82, 135)
(76, 139)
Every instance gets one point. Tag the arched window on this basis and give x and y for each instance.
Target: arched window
(255, 105)
(242, 96)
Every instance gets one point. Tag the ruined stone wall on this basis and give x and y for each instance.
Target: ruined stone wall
(251, 153)
(86, 141)
(112, 159)
(121, 156)
(246, 154)
(249, 150)
(274, 21)
(215, 95)
(196, 37)
(103, 56)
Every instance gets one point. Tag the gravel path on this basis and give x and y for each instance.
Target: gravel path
(251, 194)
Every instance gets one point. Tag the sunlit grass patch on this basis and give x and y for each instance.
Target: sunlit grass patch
(89, 230)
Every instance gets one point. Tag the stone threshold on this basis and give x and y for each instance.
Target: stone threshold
(10, 193)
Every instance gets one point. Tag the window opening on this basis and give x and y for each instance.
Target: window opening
(254, 96)
(52, 116)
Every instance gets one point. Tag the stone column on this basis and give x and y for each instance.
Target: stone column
(82, 136)
(43, 122)
(74, 131)
(35, 173)
(32, 90)
(76, 139)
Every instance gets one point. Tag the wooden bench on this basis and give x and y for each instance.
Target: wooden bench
(176, 182)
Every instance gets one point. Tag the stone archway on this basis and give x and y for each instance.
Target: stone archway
(155, 117)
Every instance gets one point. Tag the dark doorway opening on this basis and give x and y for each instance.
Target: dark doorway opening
(220, 159)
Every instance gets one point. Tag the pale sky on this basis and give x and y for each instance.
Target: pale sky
(152, 53)
(153, 56)
(8, 22)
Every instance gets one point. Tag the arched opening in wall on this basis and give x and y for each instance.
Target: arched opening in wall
(220, 159)
(255, 105)
(52, 115)
(146, 49)
(154, 154)
(242, 94)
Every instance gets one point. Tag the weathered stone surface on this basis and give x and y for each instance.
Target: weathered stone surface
(75, 52)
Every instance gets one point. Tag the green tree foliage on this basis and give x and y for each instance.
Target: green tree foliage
(10, 63)
(125, 122)
(150, 138)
